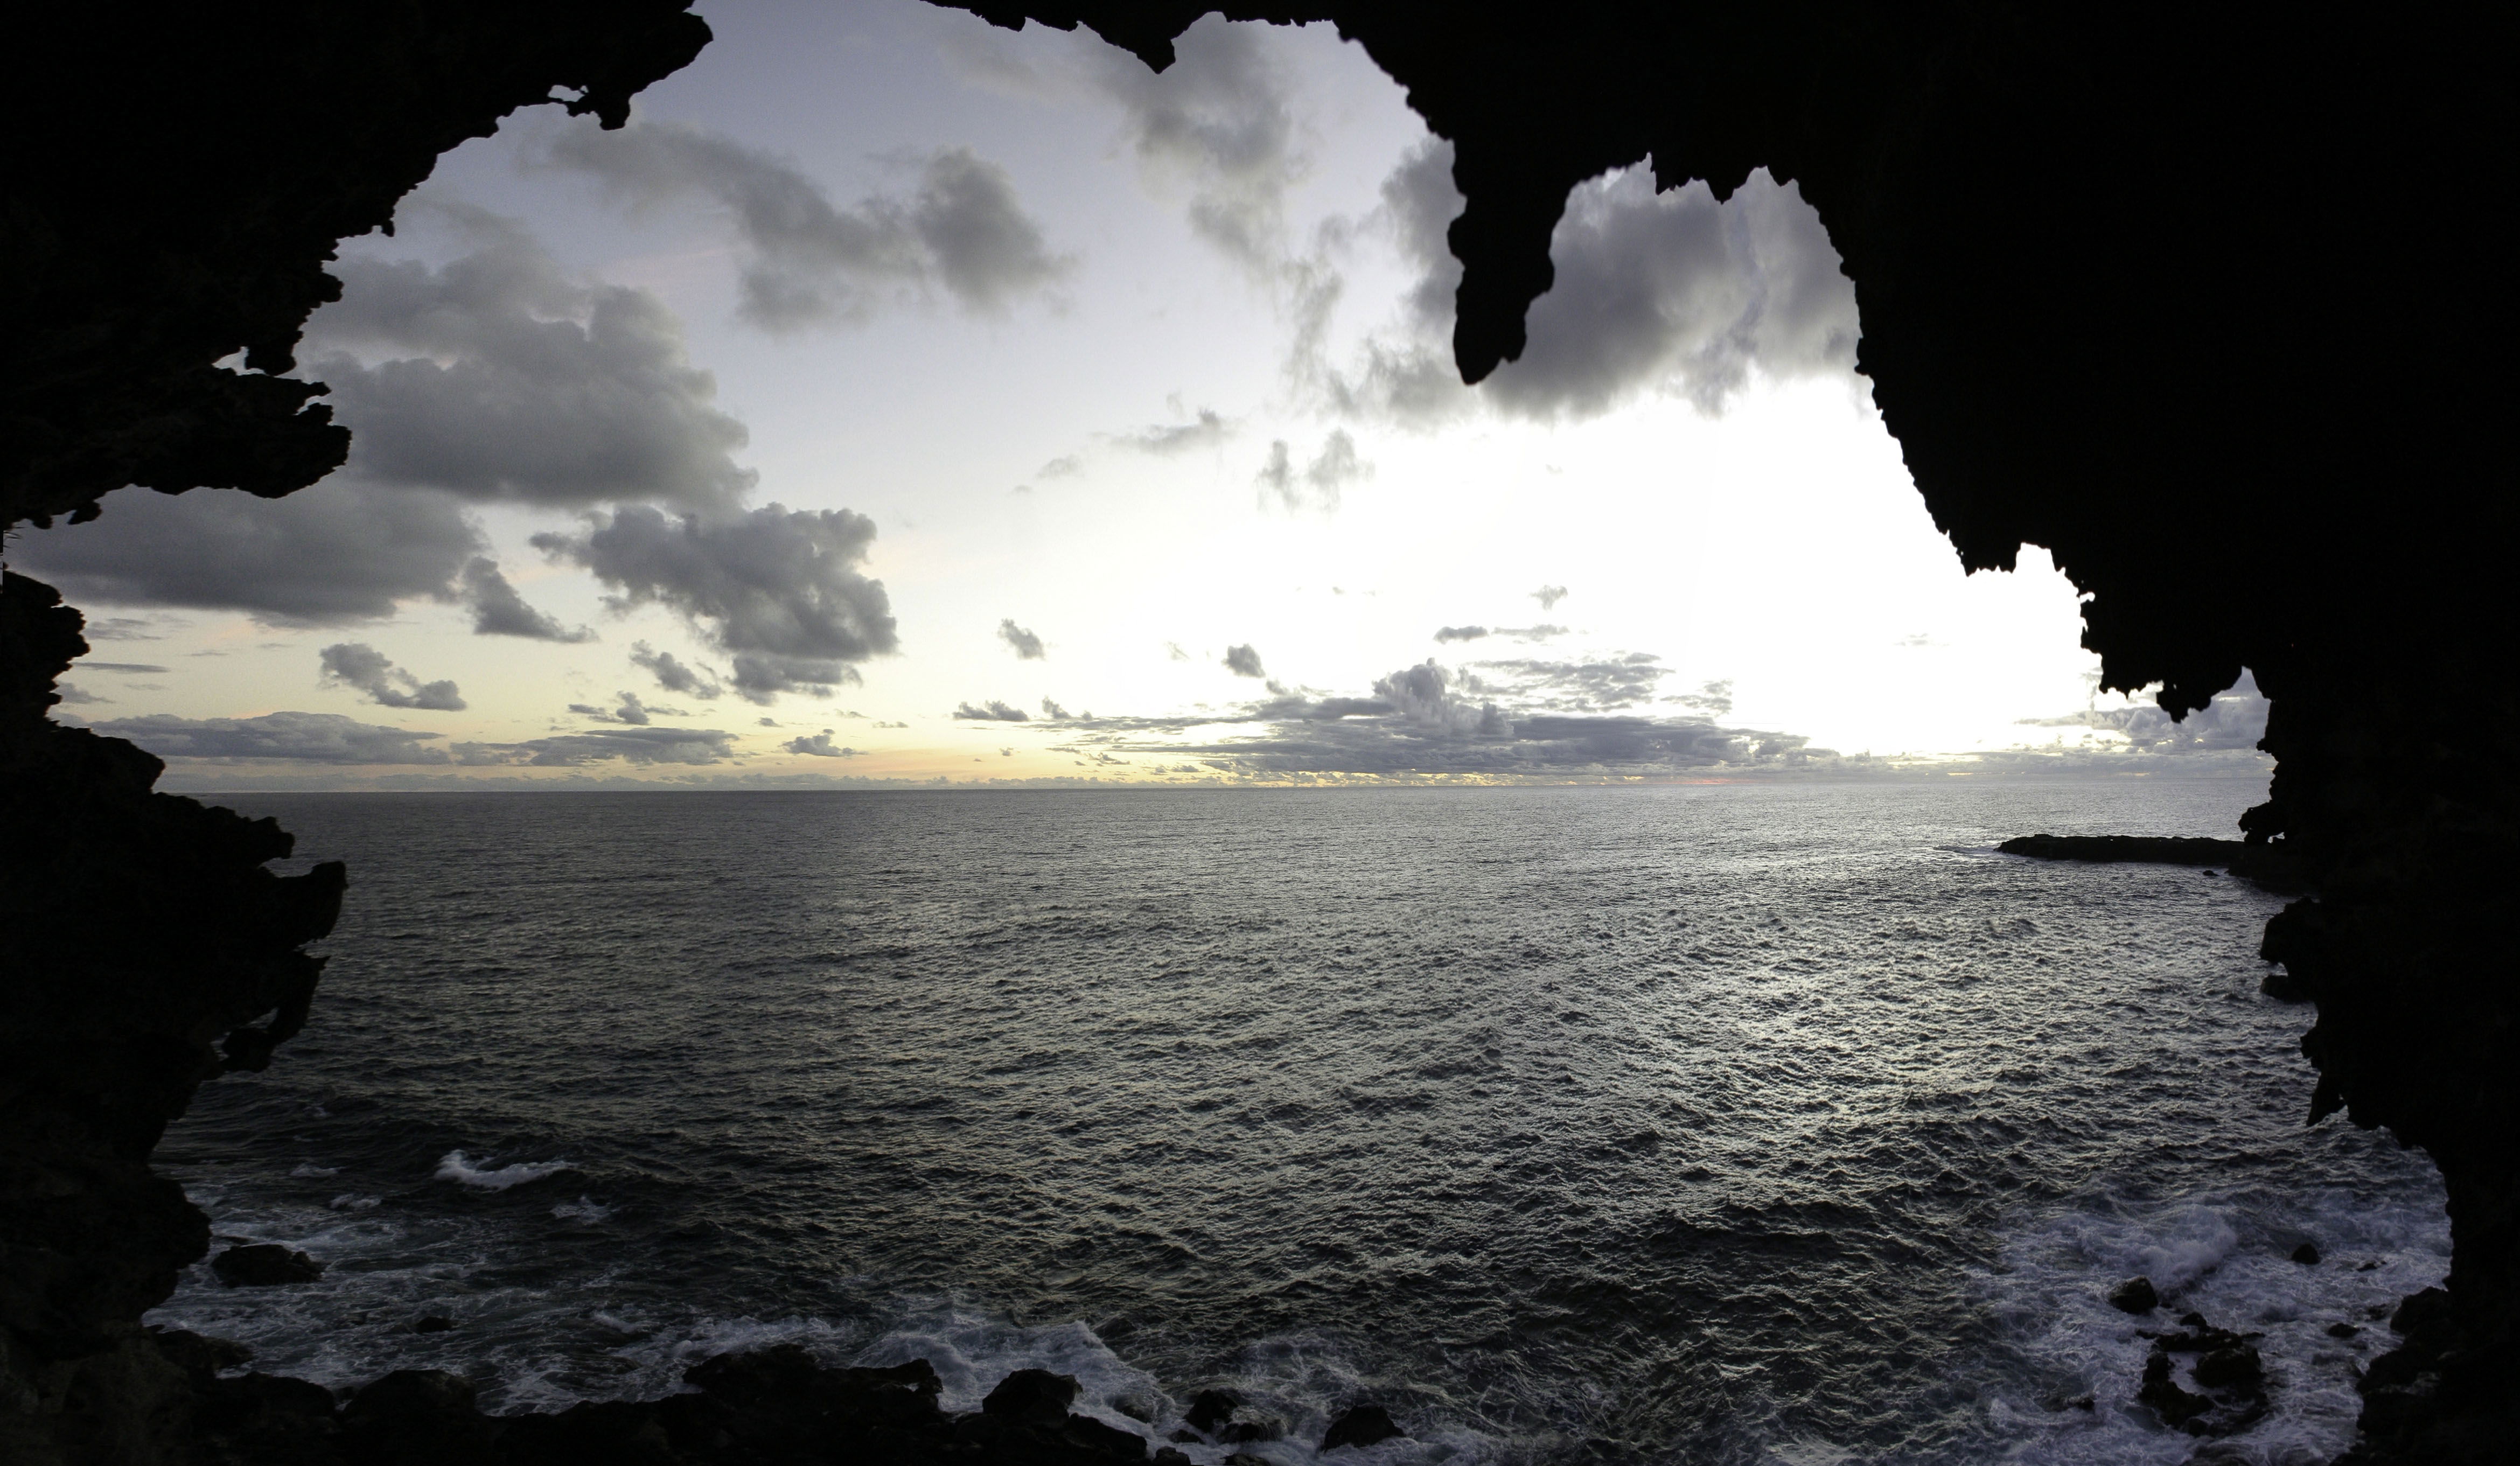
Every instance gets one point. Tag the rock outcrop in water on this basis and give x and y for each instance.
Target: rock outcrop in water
(2270, 864)
(2199, 302)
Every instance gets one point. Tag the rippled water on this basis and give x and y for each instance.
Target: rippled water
(1699, 1124)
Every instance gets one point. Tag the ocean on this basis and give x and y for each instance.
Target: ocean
(1722, 1123)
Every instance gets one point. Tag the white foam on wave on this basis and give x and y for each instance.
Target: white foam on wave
(455, 1165)
(585, 1209)
(308, 1169)
(1302, 1382)
(351, 1201)
(2230, 1257)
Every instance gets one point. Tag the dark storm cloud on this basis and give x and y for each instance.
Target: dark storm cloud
(962, 231)
(779, 590)
(505, 379)
(992, 711)
(636, 745)
(499, 611)
(2237, 719)
(818, 745)
(1244, 661)
(339, 552)
(309, 737)
(674, 674)
(356, 664)
(1026, 646)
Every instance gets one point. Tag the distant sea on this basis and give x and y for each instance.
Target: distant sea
(1695, 1123)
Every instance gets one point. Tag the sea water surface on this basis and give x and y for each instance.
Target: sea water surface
(1691, 1124)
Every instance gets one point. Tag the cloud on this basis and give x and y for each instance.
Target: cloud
(1060, 467)
(1460, 633)
(504, 379)
(355, 664)
(1219, 123)
(1050, 709)
(310, 737)
(992, 711)
(818, 745)
(1540, 633)
(636, 745)
(1166, 439)
(139, 668)
(1027, 646)
(1586, 685)
(1244, 661)
(1173, 652)
(339, 552)
(74, 695)
(122, 629)
(631, 711)
(962, 231)
(1713, 698)
(499, 611)
(1431, 719)
(779, 592)
(1548, 597)
(2235, 719)
(1319, 485)
(493, 379)
(1673, 291)
(673, 674)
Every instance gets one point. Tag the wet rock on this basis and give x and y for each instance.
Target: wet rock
(1187, 1436)
(264, 1265)
(415, 1417)
(1251, 1429)
(1247, 1459)
(2230, 1367)
(2136, 1295)
(1032, 1397)
(1167, 1456)
(1210, 1408)
(2176, 1406)
(1109, 1442)
(2422, 1313)
(1361, 1425)
(2342, 1331)
(197, 1354)
(2306, 1253)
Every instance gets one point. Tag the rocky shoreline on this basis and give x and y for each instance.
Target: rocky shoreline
(774, 1406)
(2270, 866)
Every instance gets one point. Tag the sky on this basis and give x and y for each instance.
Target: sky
(901, 400)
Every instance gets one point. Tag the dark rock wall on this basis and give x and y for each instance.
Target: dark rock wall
(2209, 303)
(2210, 307)
(176, 178)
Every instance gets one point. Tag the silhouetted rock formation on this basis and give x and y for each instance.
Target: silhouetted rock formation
(176, 181)
(2269, 865)
(2121, 278)
(2199, 302)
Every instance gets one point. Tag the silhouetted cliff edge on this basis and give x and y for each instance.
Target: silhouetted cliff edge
(2206, 305)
